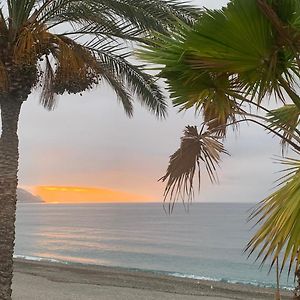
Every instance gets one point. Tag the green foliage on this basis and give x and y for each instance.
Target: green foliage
(279, 218)
(286, 120)
(73, 45)
(227, 66)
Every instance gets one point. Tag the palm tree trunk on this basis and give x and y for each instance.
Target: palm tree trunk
(9, 156)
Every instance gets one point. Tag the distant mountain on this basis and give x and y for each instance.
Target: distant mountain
(26, 197)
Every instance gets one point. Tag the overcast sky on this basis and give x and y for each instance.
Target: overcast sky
(88, 141)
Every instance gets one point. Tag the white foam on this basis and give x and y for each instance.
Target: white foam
(253, 283)
(193, 277)
(35, 258)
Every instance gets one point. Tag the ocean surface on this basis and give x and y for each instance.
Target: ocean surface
(205, 243)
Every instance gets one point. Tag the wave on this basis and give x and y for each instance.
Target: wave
(41, 259)
(231, 281)
(174, 274)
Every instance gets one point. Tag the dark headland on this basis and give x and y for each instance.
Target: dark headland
(26, 197)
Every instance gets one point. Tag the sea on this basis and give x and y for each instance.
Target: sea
(205, 241)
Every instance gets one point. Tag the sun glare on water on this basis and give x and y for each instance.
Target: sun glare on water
(70, 194)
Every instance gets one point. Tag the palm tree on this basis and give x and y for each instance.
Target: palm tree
(228, 66)
(69, 46)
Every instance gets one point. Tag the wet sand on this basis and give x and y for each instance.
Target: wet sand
(54, 281)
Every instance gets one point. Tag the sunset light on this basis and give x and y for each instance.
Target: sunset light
(71, 194)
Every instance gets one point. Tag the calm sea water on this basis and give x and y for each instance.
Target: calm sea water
(207, 242)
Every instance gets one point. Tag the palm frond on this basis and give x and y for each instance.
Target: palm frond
(82, 16)
(107, 24)
(227, 41)
(119, 89)
(278, 216)
(140, 83)
(241, 46)
(145, 15)
(288, 11)
(19, 11)
(48, 97)
(196, 148)
(285, 120)
(80, 67)
(117, 30)
(153, 14)
(284, 17)
(243, 53)
(206, 91)
(73, 69)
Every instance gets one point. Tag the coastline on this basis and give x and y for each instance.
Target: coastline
(51, 280)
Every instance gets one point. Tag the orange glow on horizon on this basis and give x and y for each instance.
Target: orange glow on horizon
(72, 194)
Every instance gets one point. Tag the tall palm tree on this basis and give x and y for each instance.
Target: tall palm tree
(69, 46)
(228, 66)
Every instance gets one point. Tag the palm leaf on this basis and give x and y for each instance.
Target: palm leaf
(278, 216)
(73, 65)
(48, 98)
(209, 92)
(20, 11)
(139, 83)
(80, 67)
(238, 41)
(241, 54)
(119, 88)
(285, 120)
(145, 15)
(240, 45)
(196, 148)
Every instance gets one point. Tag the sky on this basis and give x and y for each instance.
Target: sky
(88, 141)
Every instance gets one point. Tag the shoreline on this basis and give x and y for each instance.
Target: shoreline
(25, 258)
(103, 280)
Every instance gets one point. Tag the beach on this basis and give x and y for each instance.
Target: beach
(49, 281)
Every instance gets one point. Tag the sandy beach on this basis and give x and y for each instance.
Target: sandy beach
(54, 281)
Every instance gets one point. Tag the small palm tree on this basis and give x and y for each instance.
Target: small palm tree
(228, 65)
(69, 46)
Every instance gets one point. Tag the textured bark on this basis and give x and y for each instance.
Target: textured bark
(9, 156)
